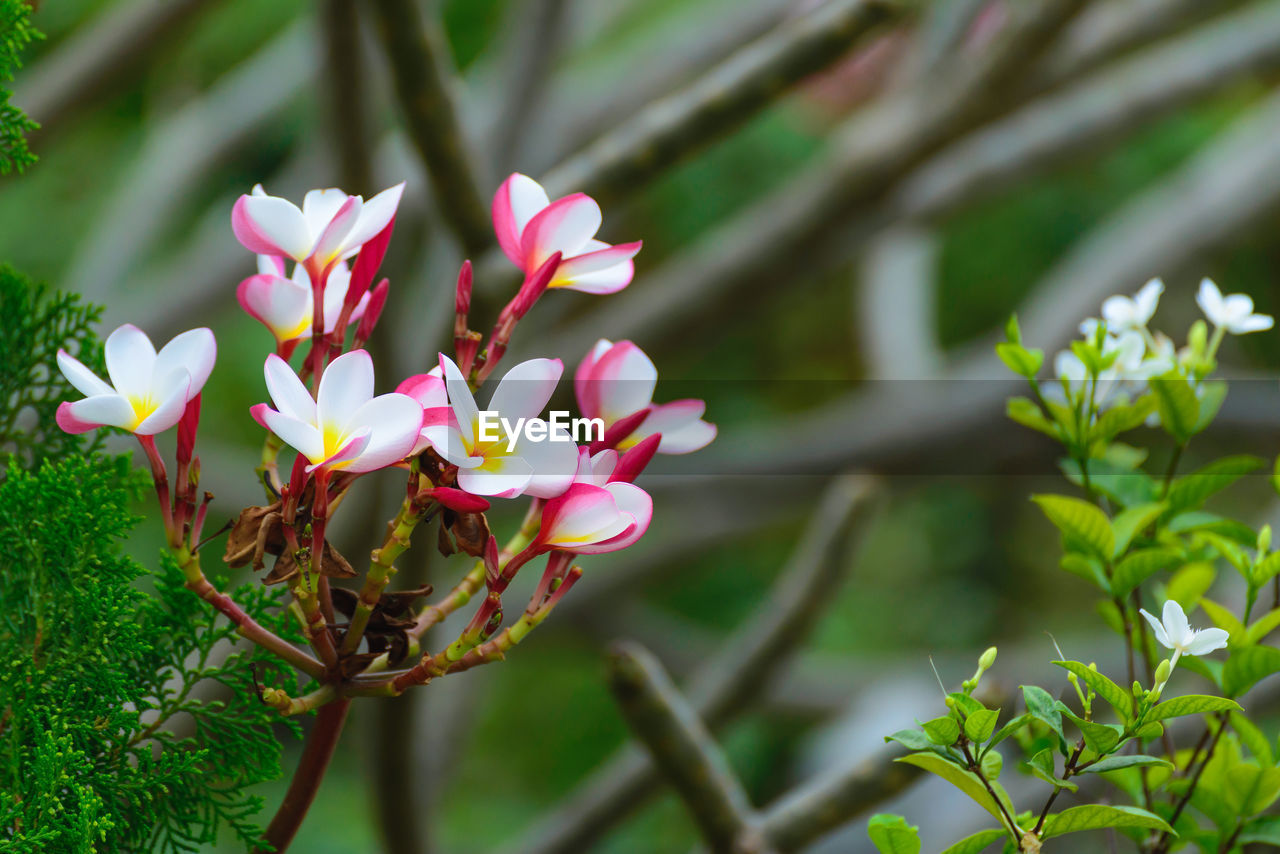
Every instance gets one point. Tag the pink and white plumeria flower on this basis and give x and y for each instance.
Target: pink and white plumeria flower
(616, 381)
(429, 391)
(286, 306)
(531, 228)
(589, 519)
(345, 427)
(328, 227)
(511, 465)
(148, 392)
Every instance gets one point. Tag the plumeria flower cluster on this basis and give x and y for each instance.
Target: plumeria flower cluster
(314, 291)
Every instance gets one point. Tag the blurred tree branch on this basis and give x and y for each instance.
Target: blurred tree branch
(1232, 183)
(102, 59)
(418, 57)
(346, 95)
(728, 681)
(683, 750)
(812, 810)
(676, 126)
(537, 33)
(1091, 114)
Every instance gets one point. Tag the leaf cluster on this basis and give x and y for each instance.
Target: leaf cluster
(16, 33)
(35, 323)
(129, 721)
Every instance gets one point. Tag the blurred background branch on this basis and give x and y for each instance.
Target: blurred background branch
(841, 202)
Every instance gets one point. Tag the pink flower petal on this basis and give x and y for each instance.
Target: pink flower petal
(517, 201)
(267, 225)
(564, 226)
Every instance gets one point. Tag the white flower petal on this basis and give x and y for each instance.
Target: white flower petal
(394, 421)
(130, 360)
(345, 386)
(84, 380)
(1157, 629)
(526, 388)
(1207, 640)
(194, 351)
(301, 436)
(287, 391)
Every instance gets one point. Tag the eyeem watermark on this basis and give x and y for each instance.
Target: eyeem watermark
(559, 428)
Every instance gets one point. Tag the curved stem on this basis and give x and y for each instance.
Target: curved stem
(319, 748)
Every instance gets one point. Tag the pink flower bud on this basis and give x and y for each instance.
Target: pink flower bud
(367, 264)
(635, 460)
(187, 429)
(462, 299)
(534, 286)
(377, 302)
(459, 501)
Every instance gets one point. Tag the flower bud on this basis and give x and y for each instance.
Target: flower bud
(462, 296)
(535, 286)
(1198, 338)
(633, 462)
(459, 501)
(1163, 671)
(988, 658)
(1264, 540)
(1138, 690)
(187, 429)
(367, 264)
(373, 311)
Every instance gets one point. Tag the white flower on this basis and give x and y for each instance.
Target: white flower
(1175, 633)
(497, 464)
(1122, 313)
(345, 428)
(1129, 349)
(1233, 313)
(148, 391)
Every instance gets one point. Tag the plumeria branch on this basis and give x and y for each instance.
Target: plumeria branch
(683, 750)
(731, 678)
(679, 124)
(417, 54)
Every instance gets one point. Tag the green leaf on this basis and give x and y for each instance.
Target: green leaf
(1139, 565)
(963, 780)
(1246, 667)
(1192, 490)
(1251, 789)
(1021, 360)
(1098, 816)
(1080, 522)
(1028, 414)
(976, 843)
(1223, 619)
(1121, 419)
(1116, 476)
(1009, 729)
(1262, 830)
(1041, 765)
(1120, 699)
(1253, 738)
(1131, 521)
(1042, 707)
(1266, 569)
(1190, 583)
(980, 724)
(911, 739)
(991, 763)
(1190, 704)
(1098, 737)
(1212, 394)
(1177, 403)
(892, 835)
(1128, 760)
(943, 731)
(1013, 332)
(1262, 627)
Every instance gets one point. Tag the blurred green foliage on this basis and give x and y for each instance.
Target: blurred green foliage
(16, 33)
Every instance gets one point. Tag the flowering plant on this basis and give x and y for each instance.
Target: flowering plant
(430, 430)
(1121, 748)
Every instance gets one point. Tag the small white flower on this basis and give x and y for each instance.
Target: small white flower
(1122, 313)
(1233, 313)
(1175, 633)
